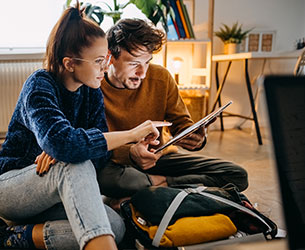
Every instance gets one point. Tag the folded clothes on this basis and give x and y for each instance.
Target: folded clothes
(189, 230)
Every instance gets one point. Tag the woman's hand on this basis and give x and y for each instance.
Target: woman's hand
(44, 162)
(145, 131)
(148, 130)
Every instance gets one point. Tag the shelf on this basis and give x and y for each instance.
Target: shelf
(201, 87)
(186, 50)
(190, 41)
(197, 60)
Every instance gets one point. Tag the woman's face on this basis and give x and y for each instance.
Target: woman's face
(89, 68)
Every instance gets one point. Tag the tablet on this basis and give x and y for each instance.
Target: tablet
(201, 123)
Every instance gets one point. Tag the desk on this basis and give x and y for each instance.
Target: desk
(245, 57)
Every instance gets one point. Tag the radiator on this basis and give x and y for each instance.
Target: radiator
(13, 73)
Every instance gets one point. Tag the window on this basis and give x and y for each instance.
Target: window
(28, 23)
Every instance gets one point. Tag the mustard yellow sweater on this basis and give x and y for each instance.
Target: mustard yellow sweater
(156, 99)
(189, 230)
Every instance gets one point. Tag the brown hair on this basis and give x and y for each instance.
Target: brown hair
(133, 34)
(72, 32)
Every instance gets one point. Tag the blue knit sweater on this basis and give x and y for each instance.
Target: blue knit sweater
(66, 125)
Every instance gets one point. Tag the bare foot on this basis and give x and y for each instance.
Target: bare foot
(101, 242)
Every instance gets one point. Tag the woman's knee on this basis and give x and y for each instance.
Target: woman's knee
(77, 171)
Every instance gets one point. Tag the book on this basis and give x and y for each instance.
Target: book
(188, 21)
(176, 26)
(179, 4)
(178, 19)
(172, 32)
(201, 123)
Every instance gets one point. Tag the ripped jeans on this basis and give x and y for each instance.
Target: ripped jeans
(67, 200)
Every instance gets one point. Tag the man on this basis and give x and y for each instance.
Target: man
(136, 90)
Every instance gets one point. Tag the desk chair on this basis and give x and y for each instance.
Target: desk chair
(300, 65)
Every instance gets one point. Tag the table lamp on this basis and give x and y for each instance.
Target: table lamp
(177, 63)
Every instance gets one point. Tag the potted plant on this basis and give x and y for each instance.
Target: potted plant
(97, 12)
(231, 37)
(155, 10)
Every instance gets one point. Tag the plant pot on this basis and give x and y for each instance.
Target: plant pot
(231, 48)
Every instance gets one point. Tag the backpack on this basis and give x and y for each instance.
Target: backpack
(170, 217)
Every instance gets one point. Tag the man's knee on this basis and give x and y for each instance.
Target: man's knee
(121, 181)
(242, 179)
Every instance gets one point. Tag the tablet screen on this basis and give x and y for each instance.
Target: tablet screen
(201, 123)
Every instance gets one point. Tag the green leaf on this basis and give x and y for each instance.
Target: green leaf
(232, 34)
(167, 5)
(95, 13)
(155, 10)
(234, 28)
(147, 7)
(109, 7)
(163, 11)
(68, 2)
(123, 6)
(228, 30)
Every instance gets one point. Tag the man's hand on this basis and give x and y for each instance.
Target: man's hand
(44, 162)
(194, 140)
(144, 158)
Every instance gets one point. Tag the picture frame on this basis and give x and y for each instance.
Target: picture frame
(259, 41)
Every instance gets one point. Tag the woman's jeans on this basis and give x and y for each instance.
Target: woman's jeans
(67, 199)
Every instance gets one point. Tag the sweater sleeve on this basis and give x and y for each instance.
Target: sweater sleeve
(54, 133)
(121, 155)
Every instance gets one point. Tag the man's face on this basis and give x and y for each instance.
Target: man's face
(128, 71)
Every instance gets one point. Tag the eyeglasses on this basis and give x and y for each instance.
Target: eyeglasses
(101, 62)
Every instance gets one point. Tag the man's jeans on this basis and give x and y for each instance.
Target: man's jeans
(123, 180)
(67, 199)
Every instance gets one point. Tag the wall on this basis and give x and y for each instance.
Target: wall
(287, 18)
(28, 23)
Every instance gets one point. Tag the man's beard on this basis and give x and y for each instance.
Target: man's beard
(138, 84)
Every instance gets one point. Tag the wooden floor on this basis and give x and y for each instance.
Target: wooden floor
(241, 147)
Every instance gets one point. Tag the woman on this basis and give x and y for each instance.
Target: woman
(60, 112)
